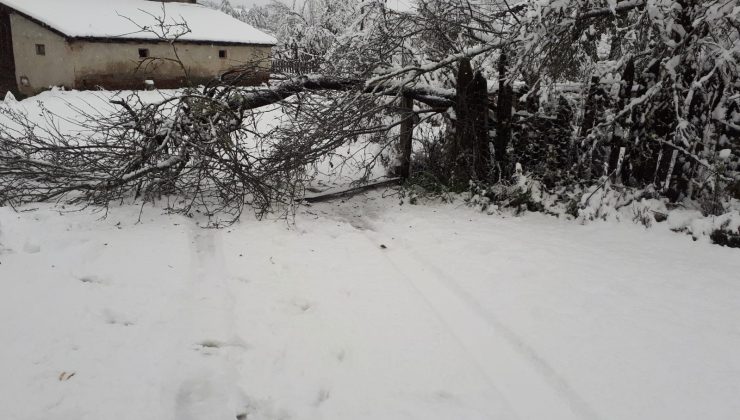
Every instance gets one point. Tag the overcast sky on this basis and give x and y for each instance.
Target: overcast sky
(255, 2)
(396, 4)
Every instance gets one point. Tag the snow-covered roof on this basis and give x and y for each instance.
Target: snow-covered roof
(123, 19)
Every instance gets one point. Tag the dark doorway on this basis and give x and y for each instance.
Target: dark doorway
(7, 59)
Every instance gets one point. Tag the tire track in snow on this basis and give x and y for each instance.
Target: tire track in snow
(532, 387)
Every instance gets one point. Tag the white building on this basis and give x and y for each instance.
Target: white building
(118, 44)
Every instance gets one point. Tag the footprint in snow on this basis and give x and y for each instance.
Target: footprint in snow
(209, 347)
(211, 394)
(116, 319)
(31, 248)
(322, 396)
(92, 279)
(242, 279)
(443, 395)
(261, 409)
(302, 305)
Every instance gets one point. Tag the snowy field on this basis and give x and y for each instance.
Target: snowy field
(358, 309)
(362, 310)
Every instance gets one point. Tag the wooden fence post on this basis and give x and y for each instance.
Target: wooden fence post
(459, 151)
(503, 117)
(589, 107)
(405, 138)
(479, 107)
(621, 132)
(670, 171)
(468, 152)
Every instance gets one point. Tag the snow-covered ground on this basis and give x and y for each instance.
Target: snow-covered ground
(362, 309)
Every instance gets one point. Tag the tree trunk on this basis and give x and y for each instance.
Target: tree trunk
(479, 110)
(469, 153)
(405, 138)
(589, 108)
(459, 151)
(503, 117)
(621, 131)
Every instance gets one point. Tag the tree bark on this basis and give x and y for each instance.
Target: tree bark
(621, 130)
(479, 105)
(405, 138)
(460, 153)
(589, 108)
(503, 118)
(259, 98)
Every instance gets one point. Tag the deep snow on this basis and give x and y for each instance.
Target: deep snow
(460, 316)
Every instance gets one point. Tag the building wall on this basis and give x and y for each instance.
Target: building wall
(118, 65)
(38, 72)
(83, 64)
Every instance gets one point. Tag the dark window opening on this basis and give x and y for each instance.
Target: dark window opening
(143, 52)
(222, 54)
(40, 49)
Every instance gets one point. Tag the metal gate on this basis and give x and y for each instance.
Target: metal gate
(7, 59)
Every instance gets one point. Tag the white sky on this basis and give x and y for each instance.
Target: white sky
(254, 2)
(396, 4)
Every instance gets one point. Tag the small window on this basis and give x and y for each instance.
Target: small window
(143, 52)
(222, 54)
(40, 49)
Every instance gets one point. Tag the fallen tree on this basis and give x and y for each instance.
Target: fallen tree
(671, 126)
(199, 146)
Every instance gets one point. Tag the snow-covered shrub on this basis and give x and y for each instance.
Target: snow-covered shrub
(600, 202)
(726, 237)
(521, 194)
(543, 143)
(722, 230)
(733, 189)
(606, 201)
(415, 192)
(642, 215)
